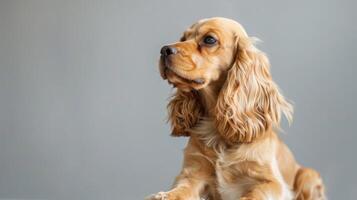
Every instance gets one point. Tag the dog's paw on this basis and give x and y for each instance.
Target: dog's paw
(247, 198)
(158, 196)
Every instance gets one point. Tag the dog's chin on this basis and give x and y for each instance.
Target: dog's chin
(181, 82)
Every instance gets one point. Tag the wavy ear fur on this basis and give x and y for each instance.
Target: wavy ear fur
(249, 103)
(184, 112)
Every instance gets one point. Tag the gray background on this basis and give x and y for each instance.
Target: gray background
(82, 107)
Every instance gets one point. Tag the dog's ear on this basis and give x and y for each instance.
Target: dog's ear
(184, 112)
(249, 103)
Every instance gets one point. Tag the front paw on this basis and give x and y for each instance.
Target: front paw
(158, 196)
(171, 195)
(247, 198)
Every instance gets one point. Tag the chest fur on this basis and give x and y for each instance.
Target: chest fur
(240, 168)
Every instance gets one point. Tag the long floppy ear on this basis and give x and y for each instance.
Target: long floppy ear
(249, 103)
(184, 112)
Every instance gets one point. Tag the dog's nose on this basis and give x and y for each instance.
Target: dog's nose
(168, 50)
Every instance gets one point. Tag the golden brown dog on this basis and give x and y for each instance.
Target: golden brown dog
(229, 106)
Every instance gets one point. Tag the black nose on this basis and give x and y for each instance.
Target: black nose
(168, 50)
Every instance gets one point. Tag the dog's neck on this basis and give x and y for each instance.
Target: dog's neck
(208, 98)
(209, 95)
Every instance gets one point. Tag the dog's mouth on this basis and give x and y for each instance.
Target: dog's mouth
(178, 78)
(173, 75)
(181, 76)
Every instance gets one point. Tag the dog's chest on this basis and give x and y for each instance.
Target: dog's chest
(231, 165)
(207, 135)
(234, 180)
(228, 191)
(231, 184)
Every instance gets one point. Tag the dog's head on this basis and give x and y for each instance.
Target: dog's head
(217, 52)
(205, 51)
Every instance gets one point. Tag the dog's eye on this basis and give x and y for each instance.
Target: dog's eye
(209, 40)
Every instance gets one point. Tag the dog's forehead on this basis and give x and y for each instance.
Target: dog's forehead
(217, 24)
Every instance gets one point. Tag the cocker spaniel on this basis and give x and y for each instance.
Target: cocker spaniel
(229, 106)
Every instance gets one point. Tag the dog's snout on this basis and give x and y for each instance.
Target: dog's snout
(168, 50)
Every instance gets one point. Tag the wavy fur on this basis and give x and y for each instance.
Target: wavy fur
(184, 111)
(250, 102)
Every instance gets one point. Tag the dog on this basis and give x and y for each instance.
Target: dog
(228, 105)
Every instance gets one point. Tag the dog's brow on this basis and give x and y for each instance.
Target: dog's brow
(187, 33)
(209, 31)
(183, 38)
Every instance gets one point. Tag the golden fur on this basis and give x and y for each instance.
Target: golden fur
(229, 106)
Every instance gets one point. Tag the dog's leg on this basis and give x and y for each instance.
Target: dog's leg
(308, 185)
(197, 173)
